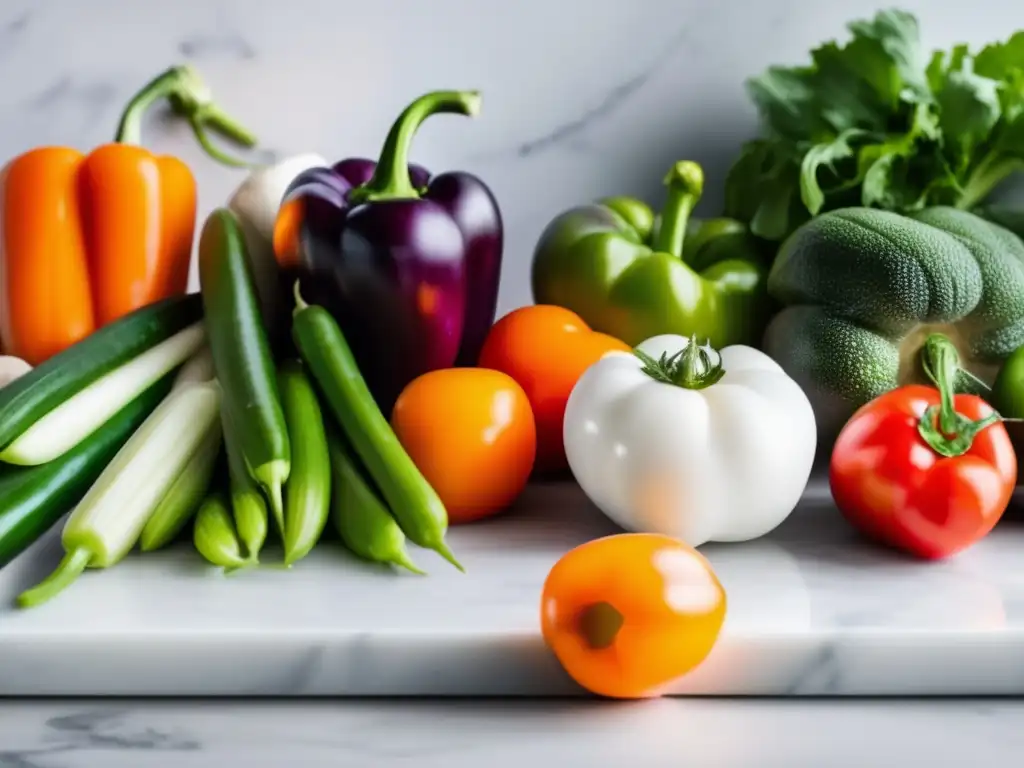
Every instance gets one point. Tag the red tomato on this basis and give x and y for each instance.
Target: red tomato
(897, 489)
(470, 431)
(546, 349)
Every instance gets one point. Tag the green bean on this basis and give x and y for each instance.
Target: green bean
(214, 534)
(360, 517)
(417, 508)
(307, 494)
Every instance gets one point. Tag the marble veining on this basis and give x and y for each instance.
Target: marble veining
(455, 734)
(582, 98)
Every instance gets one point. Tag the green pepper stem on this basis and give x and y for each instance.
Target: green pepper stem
(71, 566)
(695, 366)
(685, 182)
(946, 431)
(390, 180)
(190, 98)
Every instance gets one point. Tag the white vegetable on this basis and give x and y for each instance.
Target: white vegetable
(693, 444)
(72, 421)
(198, 368)
(11, 368)
(108, 521)
(255, 203)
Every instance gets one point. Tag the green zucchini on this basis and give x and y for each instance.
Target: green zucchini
(307, 494)
(33, 499)
(70, 422)
(241, 354)
(29, 398)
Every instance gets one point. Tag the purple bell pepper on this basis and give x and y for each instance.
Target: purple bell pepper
(408, 263)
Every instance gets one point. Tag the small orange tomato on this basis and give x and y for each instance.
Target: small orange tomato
(546, 349)
(470, 431)
(629, 614)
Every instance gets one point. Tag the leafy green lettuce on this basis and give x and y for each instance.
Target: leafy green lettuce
(879, 122)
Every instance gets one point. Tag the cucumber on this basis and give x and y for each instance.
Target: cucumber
(30, 397)
(107, 523)
(241, 355)
(33, 499)
(73, 420)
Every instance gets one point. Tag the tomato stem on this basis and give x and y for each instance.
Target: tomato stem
(695, 366)
(599, 623)
(946, 431)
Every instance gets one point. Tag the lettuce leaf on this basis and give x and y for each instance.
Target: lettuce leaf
(879, 121)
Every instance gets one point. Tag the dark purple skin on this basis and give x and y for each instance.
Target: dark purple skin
(413, 283)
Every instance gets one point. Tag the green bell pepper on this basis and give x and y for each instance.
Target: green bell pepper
(632, 275)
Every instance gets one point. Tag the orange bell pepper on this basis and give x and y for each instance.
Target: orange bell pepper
(87, 238)
(628, 615)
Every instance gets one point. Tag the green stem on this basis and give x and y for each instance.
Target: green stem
(189, 98)
(70, 568)
(986, 175)
(946, 431)
(696, 366)
(685, 182)
(390, 179)
(129, 129)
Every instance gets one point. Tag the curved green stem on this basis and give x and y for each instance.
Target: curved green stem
(390, 180)
(129, 129)
(695, 366)
(189, 98)
(70, 568)
(685, 182)
(946, 431)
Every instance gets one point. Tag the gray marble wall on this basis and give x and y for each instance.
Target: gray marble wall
(582, 98)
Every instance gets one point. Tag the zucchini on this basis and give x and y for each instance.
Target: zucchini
(185, 494)
(109, 520)
(241, 355)
(307, 494)
(33, 499)
(68, 423)
(28, 398)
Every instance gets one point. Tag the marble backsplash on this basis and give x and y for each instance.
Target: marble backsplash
(582, 98)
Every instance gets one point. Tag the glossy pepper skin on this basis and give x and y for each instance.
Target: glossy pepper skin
(634, 276)
(408, 263)
(88, 238)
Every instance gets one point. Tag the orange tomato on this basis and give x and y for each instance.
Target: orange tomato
(470, 431)
(629, 614)
(546, 349)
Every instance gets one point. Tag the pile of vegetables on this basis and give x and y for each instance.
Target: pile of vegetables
(341, 367)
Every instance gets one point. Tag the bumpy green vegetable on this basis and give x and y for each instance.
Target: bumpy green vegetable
(863, 289)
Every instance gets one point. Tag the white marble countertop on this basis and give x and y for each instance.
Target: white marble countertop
(706, 733)
(814, 610)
